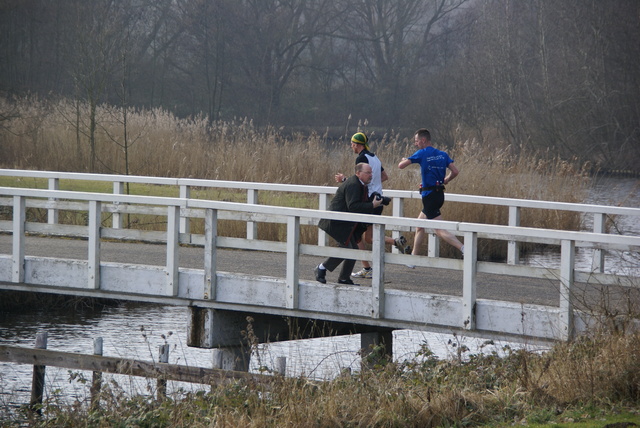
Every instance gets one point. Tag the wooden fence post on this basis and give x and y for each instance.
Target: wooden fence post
(37, 384)
(162, 383)
(96, 381)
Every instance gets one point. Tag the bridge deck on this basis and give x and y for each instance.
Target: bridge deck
(421, 279)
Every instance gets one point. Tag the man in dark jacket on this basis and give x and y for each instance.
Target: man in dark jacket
(352, 196)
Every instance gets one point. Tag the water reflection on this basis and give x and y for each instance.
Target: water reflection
(137, 331)
(606, 191)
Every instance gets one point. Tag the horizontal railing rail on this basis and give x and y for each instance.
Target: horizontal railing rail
(252, 189)
(319, 190)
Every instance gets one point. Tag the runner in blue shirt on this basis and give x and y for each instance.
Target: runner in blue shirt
(433, 167)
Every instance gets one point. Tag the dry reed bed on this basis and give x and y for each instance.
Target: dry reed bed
(50, 135)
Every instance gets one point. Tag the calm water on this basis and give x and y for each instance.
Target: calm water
(622, 192)
(137, 331)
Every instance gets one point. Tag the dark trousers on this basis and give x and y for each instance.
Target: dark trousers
(347, 267)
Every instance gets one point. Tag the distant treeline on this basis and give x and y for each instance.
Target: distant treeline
(557, 75)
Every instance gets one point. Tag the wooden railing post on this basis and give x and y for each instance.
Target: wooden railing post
(19, 219)
(469, 288)
(185, 222)
(293, 261)
(95, 219)
(323, 204)
(433, 245)
(397, 211)
(377, 281)
(52, 213)
(513, 247)
(118, 189)
(252, 226)
(567, 261)
(37, 384)
(599, 221)
(210, 253)
(172, 267)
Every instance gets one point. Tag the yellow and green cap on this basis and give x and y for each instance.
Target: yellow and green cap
(360, 138)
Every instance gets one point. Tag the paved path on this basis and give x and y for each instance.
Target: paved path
(430, 280)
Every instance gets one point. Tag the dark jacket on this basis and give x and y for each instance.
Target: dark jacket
(351, 198)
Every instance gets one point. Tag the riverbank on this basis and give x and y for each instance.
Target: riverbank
(594, 381)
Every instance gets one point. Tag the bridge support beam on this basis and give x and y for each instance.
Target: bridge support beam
(212, 328)
(234, 333)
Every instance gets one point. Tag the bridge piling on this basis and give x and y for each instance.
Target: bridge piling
(281, 365)
(375, 347)
(235, 358)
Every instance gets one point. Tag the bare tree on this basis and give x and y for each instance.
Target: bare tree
(205, 49)
(270, 47)
(391, 40)
(93, 57)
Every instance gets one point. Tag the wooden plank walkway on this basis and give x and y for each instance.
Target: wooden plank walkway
(261, 263)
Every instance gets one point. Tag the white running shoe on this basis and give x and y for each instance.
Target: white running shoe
(363, 273)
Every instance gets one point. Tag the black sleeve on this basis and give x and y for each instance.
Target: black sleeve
(362, 158)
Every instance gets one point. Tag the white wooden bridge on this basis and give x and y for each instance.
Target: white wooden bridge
(220, 300)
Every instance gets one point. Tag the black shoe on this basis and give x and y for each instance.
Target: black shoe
(346, 282)
(320, 274)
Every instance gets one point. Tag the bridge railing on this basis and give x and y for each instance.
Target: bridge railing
(93, 204)
(184, 188)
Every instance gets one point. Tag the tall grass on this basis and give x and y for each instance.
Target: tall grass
(46, 135)
(581, 381)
